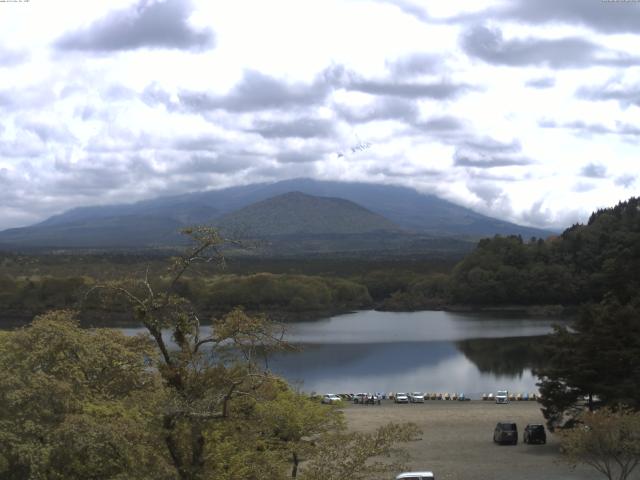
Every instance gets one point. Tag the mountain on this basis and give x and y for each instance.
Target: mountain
(297, 213)
(156, 221)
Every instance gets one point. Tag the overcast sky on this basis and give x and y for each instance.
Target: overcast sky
(523, 110)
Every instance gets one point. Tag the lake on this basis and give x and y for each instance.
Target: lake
(430, 351)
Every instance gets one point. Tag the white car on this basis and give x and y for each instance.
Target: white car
(331, 398)
(401, 398)
(416, 476)
(416, 397)
(502, 396)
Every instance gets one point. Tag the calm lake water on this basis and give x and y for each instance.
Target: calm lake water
(426, 351)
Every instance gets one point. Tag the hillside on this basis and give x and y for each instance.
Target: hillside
(296, 213)
(155, 222)
(585, 264)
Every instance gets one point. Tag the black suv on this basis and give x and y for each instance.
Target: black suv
(506, 432)
(534, 433)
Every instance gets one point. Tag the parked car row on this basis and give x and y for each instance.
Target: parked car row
(501, 396)
(507, 432)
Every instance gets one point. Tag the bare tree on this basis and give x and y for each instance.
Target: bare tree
(607, 440)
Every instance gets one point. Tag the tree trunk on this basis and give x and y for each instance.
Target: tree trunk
(296, 461)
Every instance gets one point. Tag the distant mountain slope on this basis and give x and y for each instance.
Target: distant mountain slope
(154, 222)
(124, 231)
(296, 213)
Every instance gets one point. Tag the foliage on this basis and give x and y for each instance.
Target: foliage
(582, 265)
(78, 404)
(220, 294)
(222, 415)
(422, 293)
(607, 440)
(297, 293)
(599, 357)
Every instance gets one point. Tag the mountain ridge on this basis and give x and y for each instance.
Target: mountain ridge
(156, 221)
(297, 213)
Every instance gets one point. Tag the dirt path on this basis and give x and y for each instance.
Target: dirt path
(457, 441)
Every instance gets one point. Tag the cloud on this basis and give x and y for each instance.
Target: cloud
(202, 142)
(613, 90)
(23, 146)
(150, 24)
(604, 16)
(544, 217)
(626, 180)
(593, 170)
(489, 45)
(489, 153)
(584, 128)
(415, 64)
(296, 156)
(96, 175)
(405, 171)
(487, 192)
(300, 128)
(439, 90)
(199, 164)
(11, 58)
(444, 123)
(409, 8)
(543, 82)
(384, 108)
(47, 131)
(257, 91)
(582, 187)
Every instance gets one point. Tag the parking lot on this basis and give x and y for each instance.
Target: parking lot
(457, 441)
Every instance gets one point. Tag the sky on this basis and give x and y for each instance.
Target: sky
(526, 111)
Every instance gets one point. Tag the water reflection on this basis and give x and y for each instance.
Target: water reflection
(504, 356)
(389, 327)
(428, 351)
(425, 366)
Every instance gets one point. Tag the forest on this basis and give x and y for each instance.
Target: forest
(580, 265)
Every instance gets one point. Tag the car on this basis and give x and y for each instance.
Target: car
(534, 433)
(359, 398)
(506, 432)
(401, 398)
(416, 476)
(502, 396)
(416, 397)
(331, 398)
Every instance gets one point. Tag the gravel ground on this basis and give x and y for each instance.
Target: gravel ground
(457, 441)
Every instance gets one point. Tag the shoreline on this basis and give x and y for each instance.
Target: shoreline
(14, 319)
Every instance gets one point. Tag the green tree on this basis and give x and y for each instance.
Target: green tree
(597, 358)
(224, 416)
(607, 440)
(78, 404)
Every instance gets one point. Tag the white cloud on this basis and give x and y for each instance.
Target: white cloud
(95, 111)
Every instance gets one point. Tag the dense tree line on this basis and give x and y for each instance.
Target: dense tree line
(581, 265)
(259, 292)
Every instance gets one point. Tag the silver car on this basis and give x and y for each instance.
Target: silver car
(416, 397)
(416, 476)
(401, 398)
